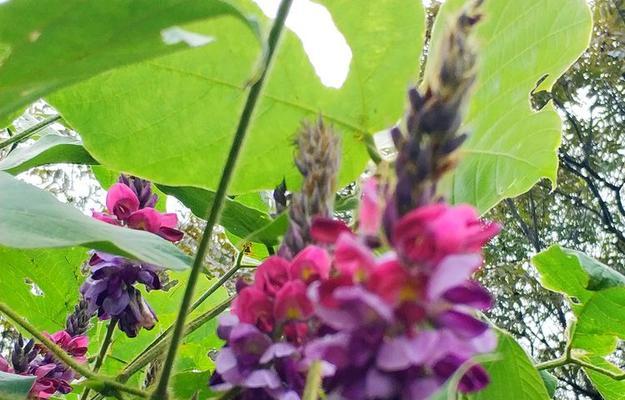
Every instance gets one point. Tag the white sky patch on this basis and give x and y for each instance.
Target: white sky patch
(324, 44)
(175, 35)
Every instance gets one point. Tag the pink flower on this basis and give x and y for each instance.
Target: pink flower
(74, 346)
(252, 306)
(327, 230)
(370, 215)
(5, 366)
(292, 302)
(392, 282)
(272, 274)
(311, 264)
(430, 233)
(121, 201)
(353, 258)
(148, 219)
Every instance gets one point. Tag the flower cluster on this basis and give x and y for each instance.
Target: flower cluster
(110, 289)
(390, 325)
(52, 376)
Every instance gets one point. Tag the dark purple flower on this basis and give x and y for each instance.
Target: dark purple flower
(110, 291)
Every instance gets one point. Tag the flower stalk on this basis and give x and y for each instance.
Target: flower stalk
(246, 116)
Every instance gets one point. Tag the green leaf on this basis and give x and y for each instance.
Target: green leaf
(31, 218)
(50, 149)
(49, 44)
(177, 134)
(610, 389)
(512, 375)
(573, 273)
(15, 387)
(512, 147)
(186, 384)
(42, 285)
(550, 381)
(239, 219)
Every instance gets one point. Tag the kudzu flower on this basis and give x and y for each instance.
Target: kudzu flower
(130, 202)
(110, 289)
(110, 292)
(51, 375)
(392, 325)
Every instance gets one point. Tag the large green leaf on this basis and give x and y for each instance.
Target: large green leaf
(31, 218)
(512, 147)
(48, 44)
(512, 375)
(41, 285)
(178, 113)
(15, 387)
(50, 149)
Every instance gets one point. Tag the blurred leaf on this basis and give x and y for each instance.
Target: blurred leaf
(176, 134)
(15, 387)
(49, 44)
(186, 384)
(50, 149)
(512, 147)
(31, 218)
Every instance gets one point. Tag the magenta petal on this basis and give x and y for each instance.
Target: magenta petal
(463, 325)
(104, 217)
(370, 215)
(326, 230)
(147, 219)
(452, 271)
(422, 389)
(486, 342)
(121, 201)
(171, 234)
(169, 220)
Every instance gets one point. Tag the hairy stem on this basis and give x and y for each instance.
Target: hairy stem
(66, 358)
(29, 131)
(274, 36)
(102, 354)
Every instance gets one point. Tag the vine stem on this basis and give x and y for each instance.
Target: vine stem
(103, 350)
(67, 359)
(29, 131)
(214, 287)
(274, 35)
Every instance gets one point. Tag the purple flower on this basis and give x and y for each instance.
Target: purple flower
(141, 188)
(110, 291)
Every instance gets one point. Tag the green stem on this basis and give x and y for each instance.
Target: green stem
(158, 346)
(67, 359)
(214, 287)
(313, 382)
(103, 350)
(29, 131)
(562, 361)
(161, 390)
